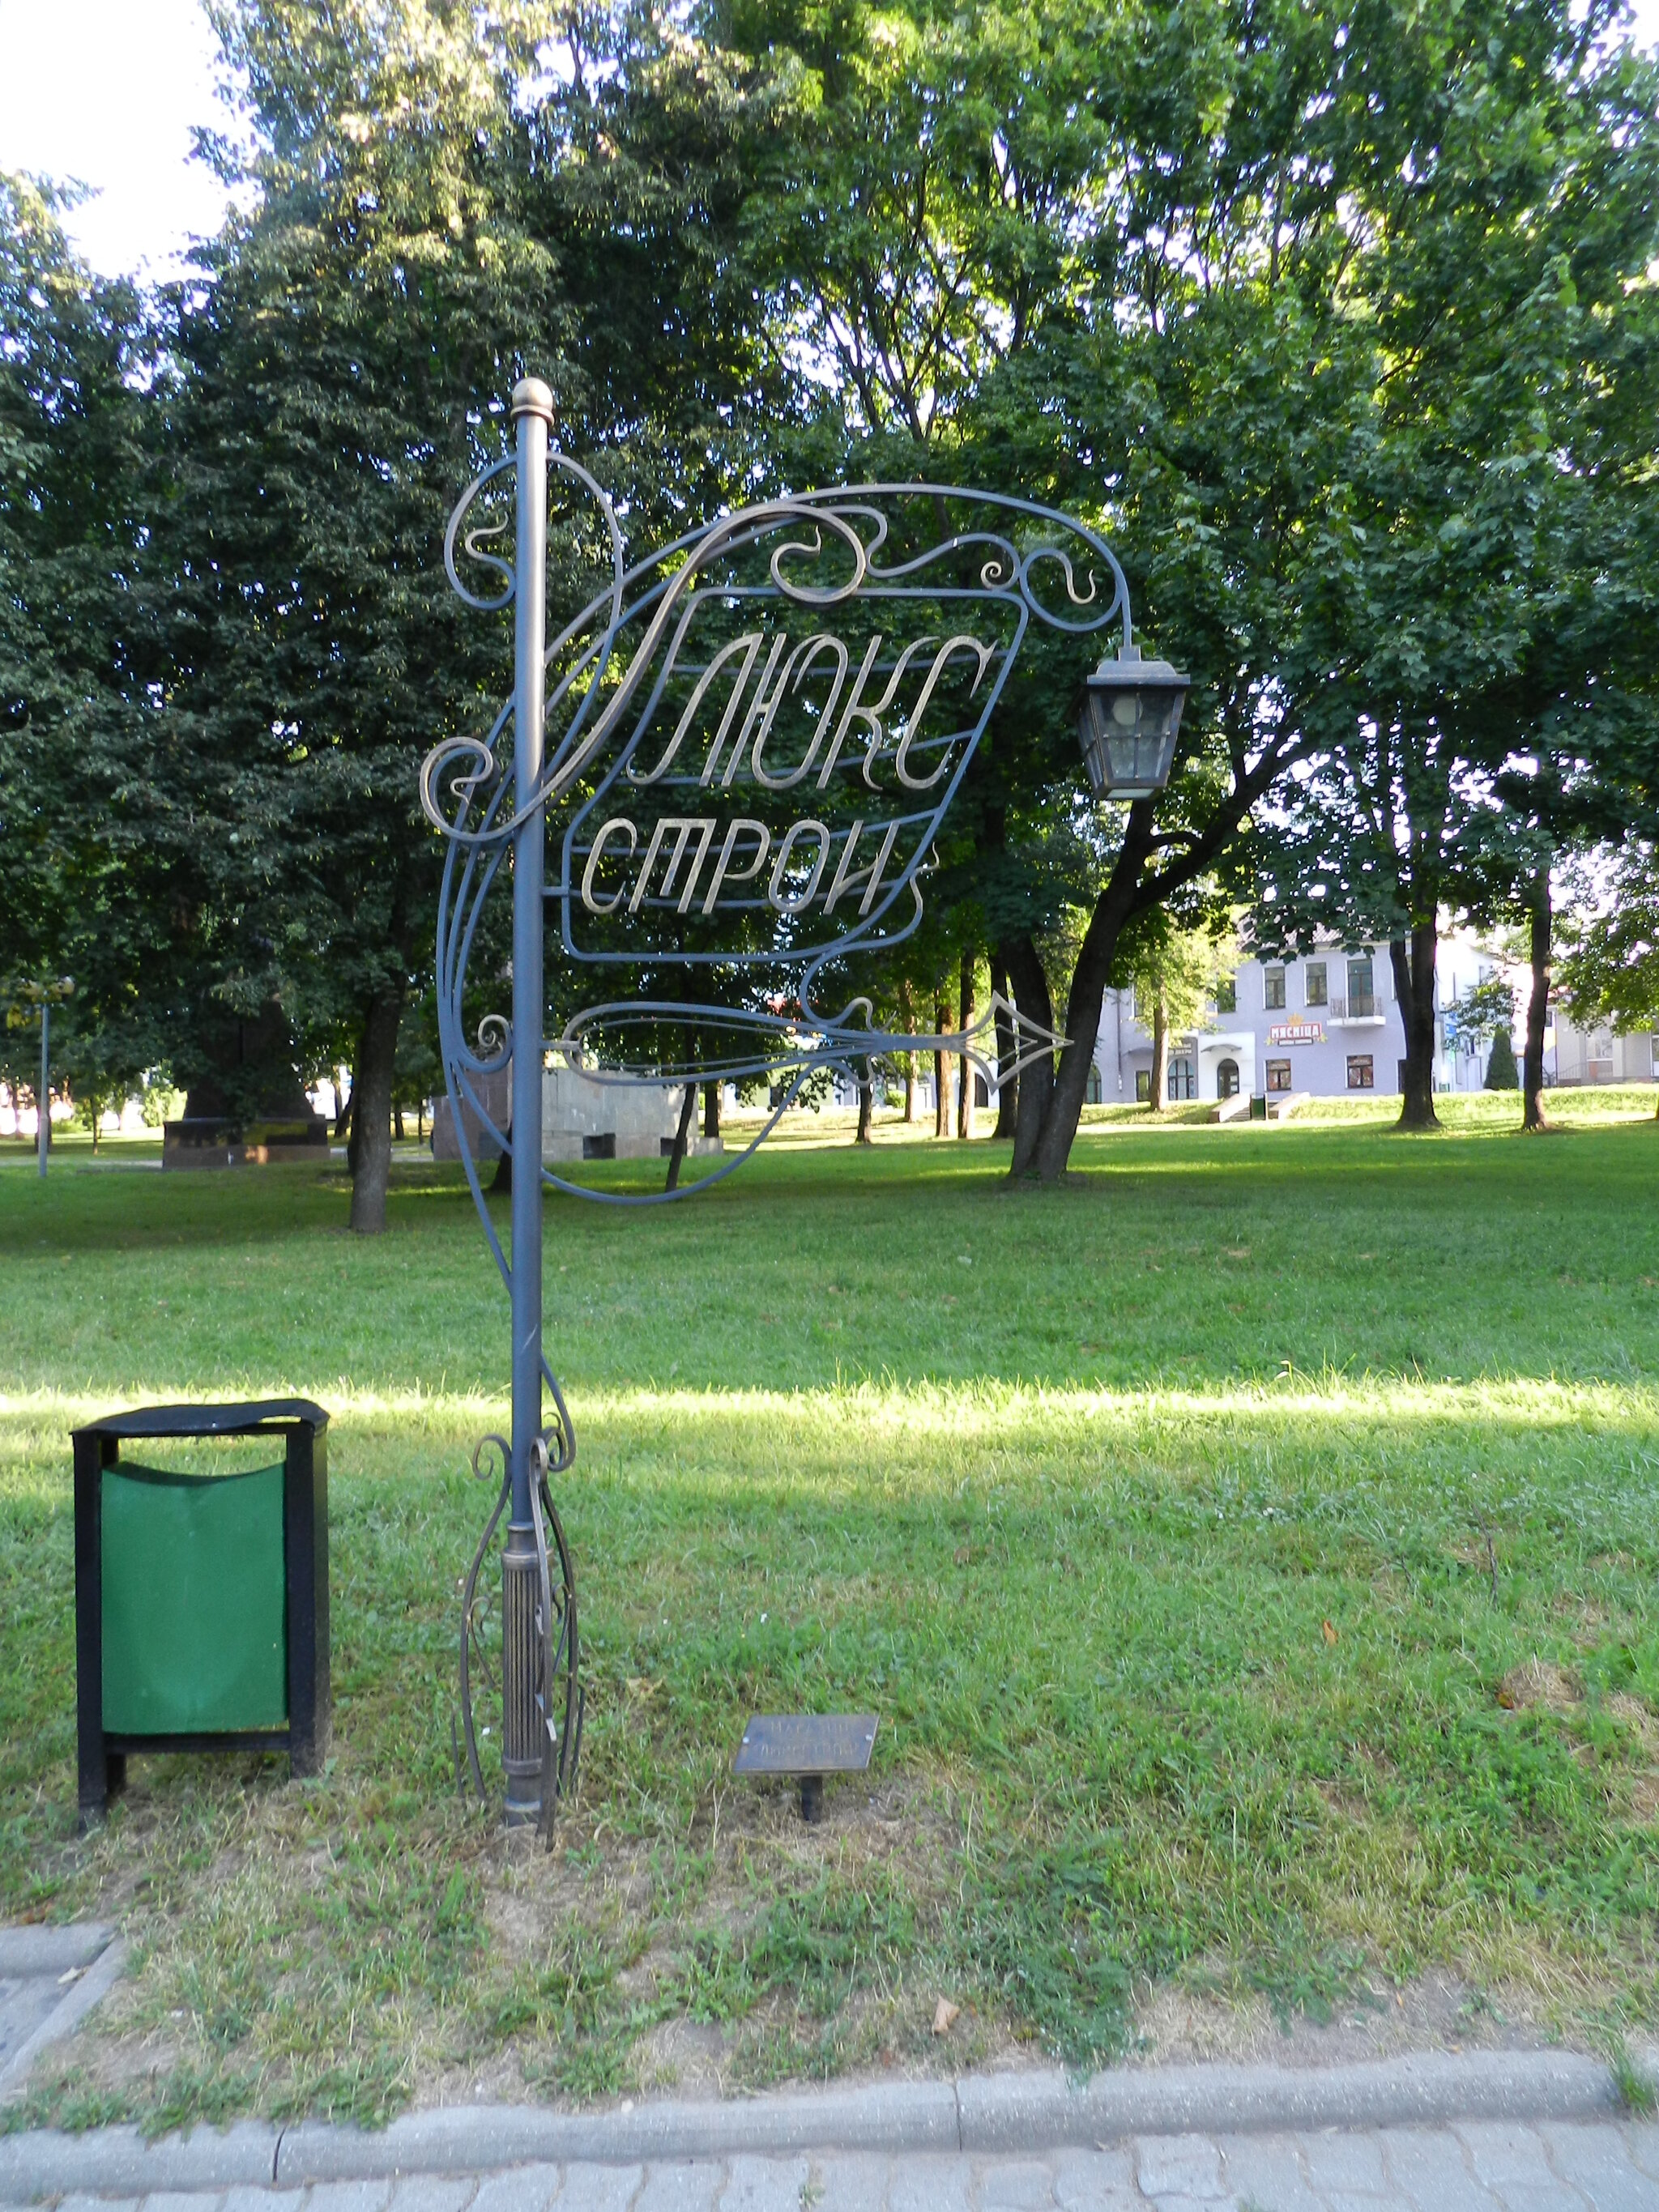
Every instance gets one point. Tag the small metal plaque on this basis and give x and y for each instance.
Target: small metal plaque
(806, 1743)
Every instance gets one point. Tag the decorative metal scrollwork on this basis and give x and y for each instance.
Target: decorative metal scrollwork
(725, 870)
(560, 1693)
(741, 751)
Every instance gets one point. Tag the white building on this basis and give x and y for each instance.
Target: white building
(581, 1119)
(1324, 1024)
(1602, 1055)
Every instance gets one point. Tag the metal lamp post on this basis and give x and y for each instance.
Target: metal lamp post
(41, 998)
(522, 1730)
(1128, 719)
(43, 1096)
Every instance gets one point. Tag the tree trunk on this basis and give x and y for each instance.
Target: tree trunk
(711, 1110)
(1413, 963)
(965, 1085)
(420, 1120)
(1007, 1082)
(910, 1058)
(1062, 1107)
(1532, 1109)
(1030, 988)
(866, 1099)
(371, 1120)
(397, 1130)
(941, 1071)
(688, 1107)
(1160, 1048)
(342, 1108)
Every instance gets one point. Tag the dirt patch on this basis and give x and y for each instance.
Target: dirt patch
(1186, 2023)
(1635, 1715)
(753, 1842)
(1585, 1621)
(1540, 1682)
(1343, 1799)
(1640, 1796)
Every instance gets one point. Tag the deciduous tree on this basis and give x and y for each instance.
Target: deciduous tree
(79, 893)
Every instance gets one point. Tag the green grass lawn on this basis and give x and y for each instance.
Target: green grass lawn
(1249, 1547)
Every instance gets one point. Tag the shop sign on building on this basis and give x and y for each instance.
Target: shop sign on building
(1296, 1033)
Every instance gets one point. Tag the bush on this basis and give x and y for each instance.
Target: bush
(1502, 1074)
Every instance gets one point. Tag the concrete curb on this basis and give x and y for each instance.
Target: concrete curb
(1023, 2111)
(1034, 2112)
(76, 2001)
(51, 1950)
(917, 2116)
(119, 2162)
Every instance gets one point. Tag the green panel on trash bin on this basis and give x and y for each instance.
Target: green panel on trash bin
(195, 1601)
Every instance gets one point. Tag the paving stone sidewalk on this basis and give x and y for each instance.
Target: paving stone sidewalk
(1472, 2166)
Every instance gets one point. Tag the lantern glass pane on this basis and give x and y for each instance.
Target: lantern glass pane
(1128, 732)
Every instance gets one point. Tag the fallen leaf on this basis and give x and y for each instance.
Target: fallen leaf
(1330, 1633)
(945, 2016)
(963, 1554)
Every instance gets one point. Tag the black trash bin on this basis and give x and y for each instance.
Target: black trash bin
(201, 1600)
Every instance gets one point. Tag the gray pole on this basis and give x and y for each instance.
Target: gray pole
(43, 1134)
(522, 1728)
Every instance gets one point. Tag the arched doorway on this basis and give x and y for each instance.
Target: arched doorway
(1226, 1079)
(1182, 1089)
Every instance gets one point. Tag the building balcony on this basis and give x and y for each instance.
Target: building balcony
(1359, 1010)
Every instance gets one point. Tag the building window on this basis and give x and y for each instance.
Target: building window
(1273, 989)
(1143, 1086)
(1361, 1074)
(1226, 1079)
(1181, 1086)
(1090, 1090)
(1226, 995)
(1362, 998)
(1278, 1075)
(1314, 975)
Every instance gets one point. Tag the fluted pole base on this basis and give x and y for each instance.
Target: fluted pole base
(521, 1728)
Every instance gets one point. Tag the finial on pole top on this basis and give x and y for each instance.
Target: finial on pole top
(531, 397)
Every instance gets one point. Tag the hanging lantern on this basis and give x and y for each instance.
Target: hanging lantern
(1128, 719)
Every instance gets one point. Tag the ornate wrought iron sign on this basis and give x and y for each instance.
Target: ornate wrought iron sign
(737, 757)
